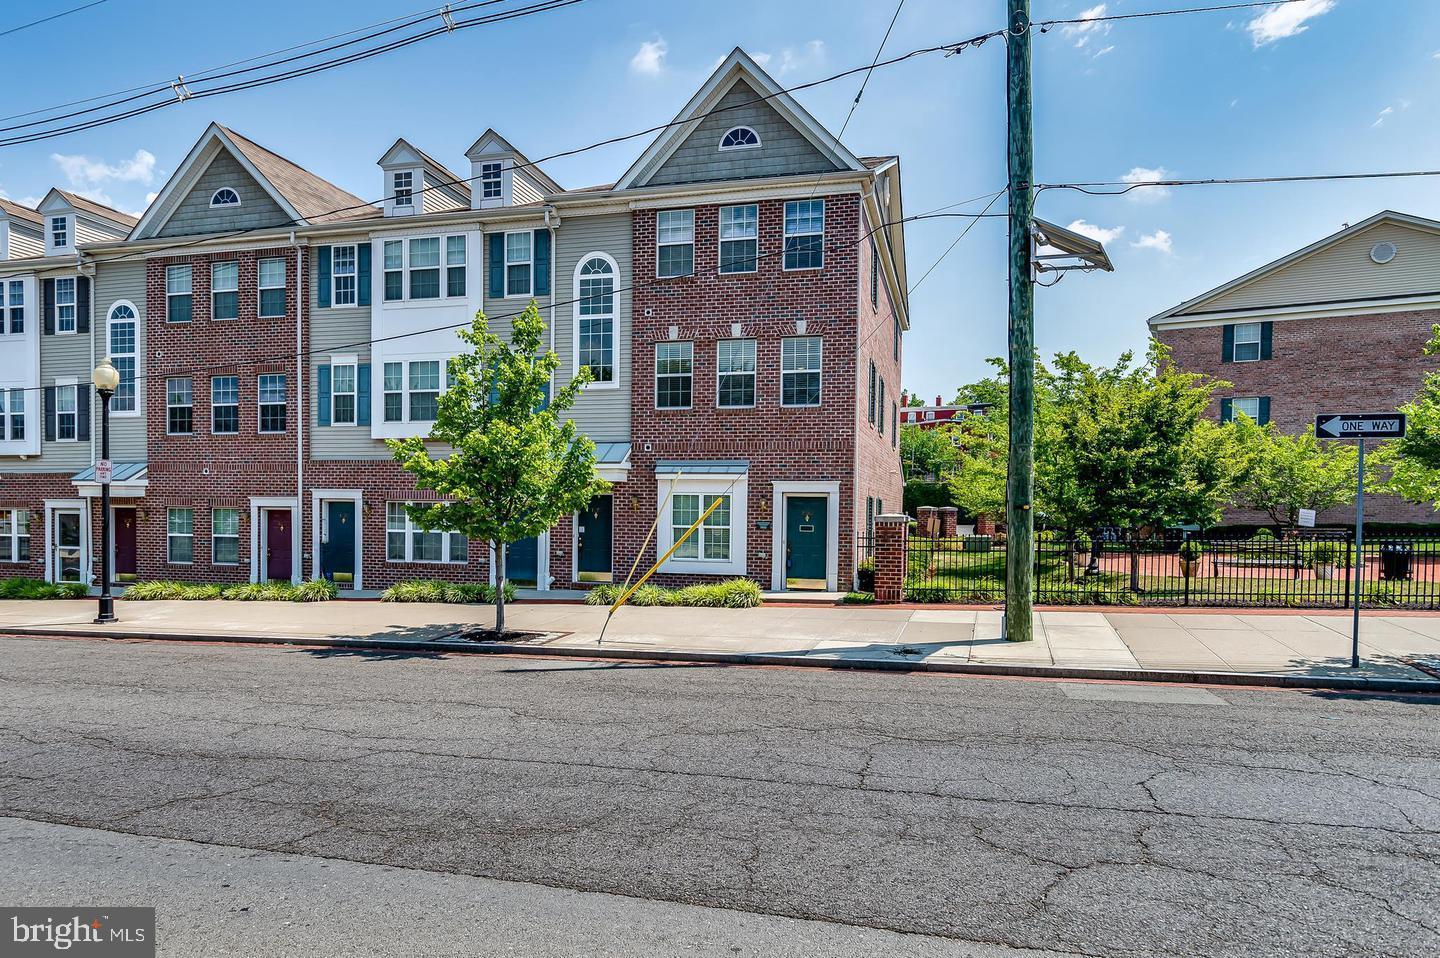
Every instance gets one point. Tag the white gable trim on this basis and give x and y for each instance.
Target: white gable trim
(738, 65)
(1167, 318)
(189, 172)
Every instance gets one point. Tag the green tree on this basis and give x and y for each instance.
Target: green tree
(1290, 473)
(512, 467)
(929, 451)
(1413, 463)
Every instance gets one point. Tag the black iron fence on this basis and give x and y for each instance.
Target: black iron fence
(1314, 570)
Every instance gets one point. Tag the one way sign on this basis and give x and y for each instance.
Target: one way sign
(1360, 425)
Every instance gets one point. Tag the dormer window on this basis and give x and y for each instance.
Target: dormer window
(405, 189)
(740, 138)
(491, 185)
(225, 196)
(59, 231)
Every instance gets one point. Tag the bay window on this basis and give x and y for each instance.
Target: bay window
(712, 539)
(412, 269)
(718, 544)
(425, 390)
(425, 267)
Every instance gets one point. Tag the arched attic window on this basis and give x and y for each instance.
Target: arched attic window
(740, 138)
(225, 196)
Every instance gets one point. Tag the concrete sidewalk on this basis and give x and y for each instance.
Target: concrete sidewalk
(1296, 648)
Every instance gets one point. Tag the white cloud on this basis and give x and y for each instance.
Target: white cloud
(1083, 33)
(1158, 240)
(1143, 174)
(86, 173)
(1380, 120)
(650, 58)
(1102, 51)
(1098, 233)
(1286, 20)
(789, 59)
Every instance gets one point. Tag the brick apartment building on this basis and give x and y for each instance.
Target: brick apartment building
(738, 295)
(1337, 326)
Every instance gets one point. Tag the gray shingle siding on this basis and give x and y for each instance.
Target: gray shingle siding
(61, 355)
(783, 150)
(194, 214)
(113, 282)
(601, 414)
(337, 330)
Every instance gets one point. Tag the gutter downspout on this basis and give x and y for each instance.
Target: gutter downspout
(302, 410)
(80, 269)
(554, 257)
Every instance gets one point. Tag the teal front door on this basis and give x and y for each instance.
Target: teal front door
(337, 551)
(805, 537)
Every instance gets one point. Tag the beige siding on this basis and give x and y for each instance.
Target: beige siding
(783, 150)
(61, 355)
(194, 215)
(338, 330)
(1345, 271)
(25, 241)
(523, 189)
(601, 414)
(88, 231)
(441, 199)
(113, 282)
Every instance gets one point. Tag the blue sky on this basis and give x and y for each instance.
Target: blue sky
(1321, 86)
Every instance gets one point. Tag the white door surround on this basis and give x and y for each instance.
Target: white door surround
(259, 505)
(779, 491)
(52, 506)
(543, 578)
(318, 498)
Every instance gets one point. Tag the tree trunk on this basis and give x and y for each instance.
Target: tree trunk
(499, 587)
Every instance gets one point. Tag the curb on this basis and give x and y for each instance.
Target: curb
(1338, 683)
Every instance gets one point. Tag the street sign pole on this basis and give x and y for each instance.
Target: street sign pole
(1360, 554)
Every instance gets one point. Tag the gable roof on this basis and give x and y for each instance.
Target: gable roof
(81, 204)
(441, 171)
(17, 211)
(492, 142)
(1195, 307)
(304, 197)
(733, 69)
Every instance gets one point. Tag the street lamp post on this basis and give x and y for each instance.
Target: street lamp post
(106, 379)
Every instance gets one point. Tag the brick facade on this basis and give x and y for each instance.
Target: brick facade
(1323, 365)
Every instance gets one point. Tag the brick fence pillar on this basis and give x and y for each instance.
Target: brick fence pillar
(984, 525)
(891, 533)
(949, 522)
(928, 524)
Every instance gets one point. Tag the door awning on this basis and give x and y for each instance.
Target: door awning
(612, 461)
(703, 467)
(128, 480)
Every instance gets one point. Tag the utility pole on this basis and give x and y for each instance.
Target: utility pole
(1020, 480)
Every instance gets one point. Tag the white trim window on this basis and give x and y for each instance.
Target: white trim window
(740, 138)
(735, 373)
(805, 234)
(121, 335)
(1249, 405)
(270, 397)
(223, 197)
(718, 546)
(403, 189)
(674, 374)
(343, 291)
(492, 184)
(455, 253)
(178, 300)
(14, 535)
(412, 268)
(270, 276)
(15, 308)
(674, 243)
(59, 231)
(224, 405)
(179, 406)
(342, 394)
(739, 238)
(424, 253)
(407, 542)
(1247, 342)
(800, 365)
(710, 542)
(65, 305)
(412, 394)
(12, 416)
(225, 290)
(519, 263)
(394, 392)
(224, 536)
(595, 318)
(180, 536)
(67, 416)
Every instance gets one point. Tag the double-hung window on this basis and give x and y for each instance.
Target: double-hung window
(394, 392)
(342, 394)
(404, 182)
(15, 306)
(394, 270)
(406, 542)
(491, 185)
(271, 395)
(14, 412)
(66, 416)
(179, 406)
(180, 536)
(122, 355)
(425, 267)
(225, 405)
(59, 231)
(519, 263)
(224, 536)
(342, 276)
(14, 535)
(272, 288)
(178, 301)
(1247, 342)
(674, 243)
(65, 305)
(414, 269)
(894, 425)
(425, 390)
(739, 238)
(805, 234)
(712, 539)
(735, 373)
(880, 409)
(800, 371)
(673, 373)
(874, 275)
(595, 296)
(455, 265)
(225, 290)
(870, 402)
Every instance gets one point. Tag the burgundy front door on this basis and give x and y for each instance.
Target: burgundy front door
(124, 542)
(277, 544)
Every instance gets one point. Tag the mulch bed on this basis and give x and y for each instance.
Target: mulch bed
(509, 636)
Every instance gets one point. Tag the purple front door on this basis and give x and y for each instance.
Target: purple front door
(277, 544)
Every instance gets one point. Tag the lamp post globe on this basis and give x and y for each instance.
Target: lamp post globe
(106, 379)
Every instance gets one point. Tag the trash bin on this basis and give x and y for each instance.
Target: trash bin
(1395, 561)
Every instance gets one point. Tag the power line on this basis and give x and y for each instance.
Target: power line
(1094, 188)
(968, 227)
(1044, 25)
(53, 16)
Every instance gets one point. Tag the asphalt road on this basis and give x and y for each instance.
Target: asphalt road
(710, 810)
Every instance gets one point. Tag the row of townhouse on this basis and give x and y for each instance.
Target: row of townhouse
(738, 296)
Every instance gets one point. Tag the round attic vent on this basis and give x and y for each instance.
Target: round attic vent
(1383, 252)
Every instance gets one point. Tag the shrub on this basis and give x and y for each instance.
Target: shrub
(858, 598)
(1324, 554)
(928, 593)
(258, 592)
(166, 590)
(865, 574)
(1191, 549)
(434, 590)
(730, 594)
(316, 590)
(36, 589)
(1263, 534)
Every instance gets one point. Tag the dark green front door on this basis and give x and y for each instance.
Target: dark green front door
(805, 536)
(337, 552)
(593, 535)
